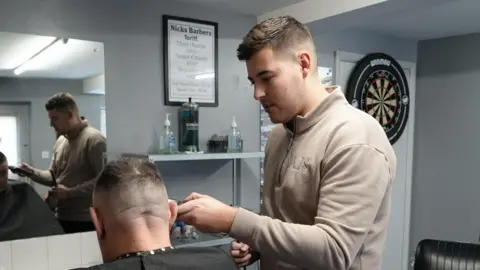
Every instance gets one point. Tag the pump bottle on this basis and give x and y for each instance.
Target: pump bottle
(169, 145)
(234, 138)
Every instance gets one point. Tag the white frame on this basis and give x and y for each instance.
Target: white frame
(103, 120)
(341, 56)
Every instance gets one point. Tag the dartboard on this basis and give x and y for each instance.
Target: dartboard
(378, 86)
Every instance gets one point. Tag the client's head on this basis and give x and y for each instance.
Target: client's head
(3, 171)
(131, 210)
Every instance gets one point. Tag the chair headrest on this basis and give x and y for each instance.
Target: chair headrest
(438, 255)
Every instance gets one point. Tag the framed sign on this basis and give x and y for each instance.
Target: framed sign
(190, 58)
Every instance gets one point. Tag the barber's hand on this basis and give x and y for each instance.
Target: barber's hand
(241, 253)
(60, 192)
(27, 168)
(206, 214)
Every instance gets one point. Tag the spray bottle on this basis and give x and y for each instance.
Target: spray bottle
(234, 138)
(169, 145)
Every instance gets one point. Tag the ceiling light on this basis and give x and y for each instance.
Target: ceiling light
(25, 47)
(19, 70)
(51, 51)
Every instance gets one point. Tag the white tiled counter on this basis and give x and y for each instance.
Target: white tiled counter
(50, 253)
(71, 251)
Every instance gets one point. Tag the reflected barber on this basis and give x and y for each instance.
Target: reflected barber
(328, 172)
(77, 161)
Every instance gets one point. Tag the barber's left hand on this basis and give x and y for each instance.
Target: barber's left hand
(60, 192)
(206, 214)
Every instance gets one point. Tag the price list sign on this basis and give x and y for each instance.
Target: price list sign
(190, 61)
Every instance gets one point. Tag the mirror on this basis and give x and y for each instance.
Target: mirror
(33, 69)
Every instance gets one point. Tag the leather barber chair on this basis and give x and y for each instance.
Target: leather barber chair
(23, 214)
(443, 255)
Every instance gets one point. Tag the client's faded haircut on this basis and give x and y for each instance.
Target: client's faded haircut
(3, 158)
(131, 188)
(128, 171)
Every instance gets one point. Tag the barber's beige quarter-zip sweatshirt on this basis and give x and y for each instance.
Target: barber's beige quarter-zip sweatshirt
(327, 188)
(77, 161)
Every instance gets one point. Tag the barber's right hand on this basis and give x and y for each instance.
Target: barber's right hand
(26, 167)
(241, 254)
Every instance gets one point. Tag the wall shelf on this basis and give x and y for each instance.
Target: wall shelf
(205, 156)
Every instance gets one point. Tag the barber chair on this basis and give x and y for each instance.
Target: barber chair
(23, 214)
(443, 255)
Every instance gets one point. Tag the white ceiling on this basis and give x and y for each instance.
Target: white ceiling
(456, 17)
(411, 19)
(77, 59)
(247, 7)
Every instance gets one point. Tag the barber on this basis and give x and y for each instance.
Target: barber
(77, 160)
(328, 168)
(49, 199)
(57, 134)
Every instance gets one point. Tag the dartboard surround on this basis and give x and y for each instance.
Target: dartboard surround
(378, 86)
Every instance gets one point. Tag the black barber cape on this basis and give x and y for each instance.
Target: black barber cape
(198, 258)
(23, 214)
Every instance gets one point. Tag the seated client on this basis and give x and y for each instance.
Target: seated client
(23, 214)
(132, 217)
(3, 172)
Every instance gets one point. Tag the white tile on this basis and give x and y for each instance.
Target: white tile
(64, 251)
(5, 256)
(91, 254)
(30, 254)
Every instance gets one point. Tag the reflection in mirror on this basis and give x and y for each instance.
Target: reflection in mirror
(325, 74)
(52, 133)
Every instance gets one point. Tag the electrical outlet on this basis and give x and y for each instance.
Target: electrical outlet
(45, 155)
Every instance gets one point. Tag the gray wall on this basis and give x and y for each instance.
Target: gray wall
(131, 32)
(362, 42)
(36, 92)
(445, 196)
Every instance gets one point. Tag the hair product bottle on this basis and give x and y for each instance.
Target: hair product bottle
(188, 127)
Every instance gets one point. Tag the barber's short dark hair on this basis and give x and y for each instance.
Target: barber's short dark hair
(279, 34)
(62, 101)
(3, 158)
(128, 172)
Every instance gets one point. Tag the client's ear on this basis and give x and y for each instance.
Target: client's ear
(172, 207)
(97, 222)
